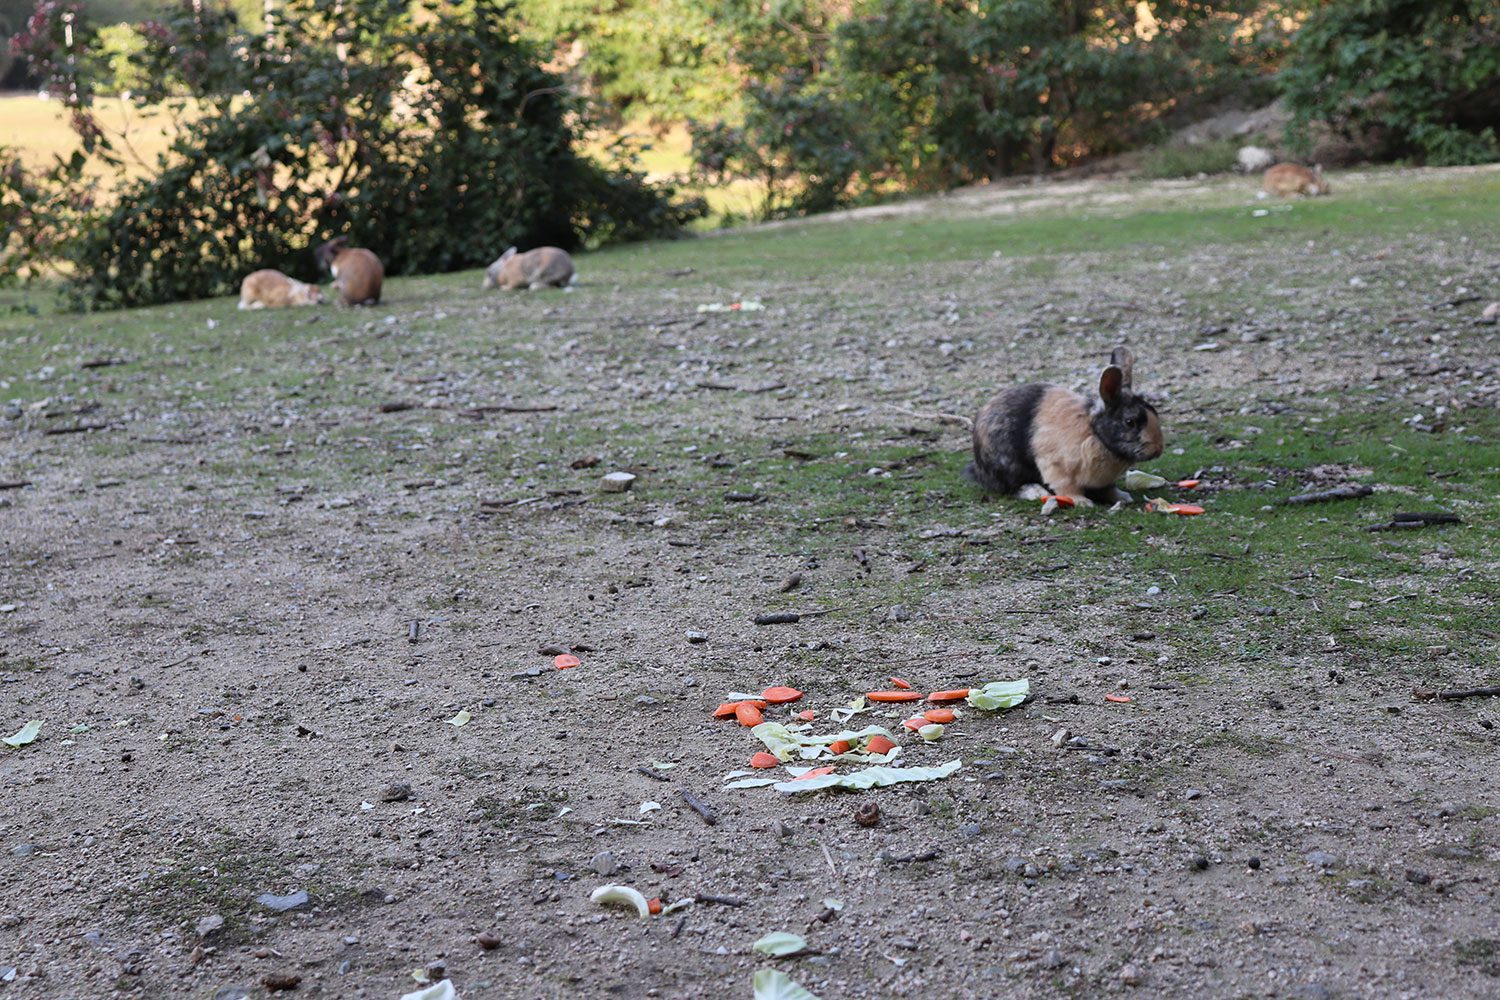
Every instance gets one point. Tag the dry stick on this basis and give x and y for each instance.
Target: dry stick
(1338, 493)
(1453, 694)
(940, 417)
(700, 807)
(651, 772)
(15, 484)
(721, 900)
(790, 617)
(512, 408)
(829, 858)
(76, 429)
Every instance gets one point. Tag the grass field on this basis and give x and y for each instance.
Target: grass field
(265, 558)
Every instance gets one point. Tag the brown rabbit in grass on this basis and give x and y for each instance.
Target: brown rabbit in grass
(1040, 439)
(357, 273)
(544, 267)
(1287, 179)
(269, 289)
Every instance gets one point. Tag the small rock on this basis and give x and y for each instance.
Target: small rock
(971, 829)
(645, 699)
(1130, 975)
(604, 863)
(1265, 611)
(868, 814)
(1198, 863)
(1417, 877)
(10, 920)
(284, 904)
(1491, 313)
(1447, 809)
(586, 462)
(616, 482)
(1253, 864)
(697, 638)
(1321, 859)
(790, 583)
(904, 943)
(1053, 959)
(24, 850)
(781, 829)
(1015, 865)
(208, 925)
(898, 614)
(278, 981)
(232, 993)
(398, 791)
(1453, 852)
(1313, 991)
(345, 966)
(489, 940)
(1193, 793)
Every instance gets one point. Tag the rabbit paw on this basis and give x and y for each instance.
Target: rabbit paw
(1033, 491)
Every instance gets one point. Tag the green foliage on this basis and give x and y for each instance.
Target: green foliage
(426, 132)
(1174, 160)
(936, 94)
(1424, 73)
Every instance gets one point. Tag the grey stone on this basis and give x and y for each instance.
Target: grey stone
(1193, 793)
(1015, 865)
(25, 850)
(645, 699)
(1453, 852)
(1053, 959)
(398, 791)
(971, 829)
(298, 900)
(209, 924)
(1321, 859)
(604, 863)
(697, 637)
(1313, 991)
(232, 993)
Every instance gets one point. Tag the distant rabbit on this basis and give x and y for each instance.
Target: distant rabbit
(544, 267)
(1040, 439)
(1287, 179)
(1253, 159)
(270, 289)
(357, 273)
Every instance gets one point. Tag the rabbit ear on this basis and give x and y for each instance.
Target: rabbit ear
(508, 254)
(1111, 383)
(1123, 359)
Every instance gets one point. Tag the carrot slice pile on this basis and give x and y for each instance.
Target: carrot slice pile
(727, 709)
(904, 685)
(747, 714)
(780, 695)
(764, 760)
(957, 694)
(939, 715)
(893, 696)
(879, 744)
(566, 661)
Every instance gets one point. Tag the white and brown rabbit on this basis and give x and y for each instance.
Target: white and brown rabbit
(1040, 439)
(357, 273)
(1287, 179)
(544, 267)
(270, 289)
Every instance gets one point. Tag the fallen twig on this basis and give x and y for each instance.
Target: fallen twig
(1417, 519)
(509, 408)
(931, 854)
(652, 773)
(700, 807)
(1349, 492)
(76, 429)
(790, 617)
(397, 406)
(1454, 694)
(722, 900)
(15, 484)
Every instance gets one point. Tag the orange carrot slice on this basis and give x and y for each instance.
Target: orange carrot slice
(939, 715)
(1188, 484)
(956, 694)
(879, 744)
(654, 905)
(915, 722)
(566, 661)
(1187, 509)
(725, 710)
(902, 684)
(747, 714)
(806, 716)
(1062, 501)
(838, 747)
(1119, 699)
(893, 696)
(780, 695)
(816, 772)
(764, 759)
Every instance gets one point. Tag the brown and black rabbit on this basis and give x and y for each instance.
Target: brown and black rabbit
(1041, 439)
(357, 273)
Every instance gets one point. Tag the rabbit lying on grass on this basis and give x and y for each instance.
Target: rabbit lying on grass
(544, 267)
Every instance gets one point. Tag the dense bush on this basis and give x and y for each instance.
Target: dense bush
(925, 94)
(428, 132)
(1425, 73)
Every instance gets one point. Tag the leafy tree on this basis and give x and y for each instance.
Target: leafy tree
(428, 132)
(1426, 73)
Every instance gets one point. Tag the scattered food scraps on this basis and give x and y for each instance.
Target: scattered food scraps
(747, 714)
(744, 305)
(1000, 694)
(1135, 479)
(943, 715)
(461, 719)
(894, 696)
(957, 694)
(904, 685)
(1058, 500)
(437, 991)
(779, 695)
(763, 759)
(653, 906)
(806, 716)
(932, 732)
(773, 984)
(1156, 505)
(1119, 699)
(566, 661)
(870, 777)
(621, 895)
(780, 944)
(816, 772)
(1188, 484)
(880, 744)
(26, 734)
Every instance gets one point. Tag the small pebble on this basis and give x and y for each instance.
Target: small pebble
(697, 637)
(1130, 975)
(1321, 859)
(604, 863)
(1053, 959)
(276, 982)
(1253, 864)
(398, 791)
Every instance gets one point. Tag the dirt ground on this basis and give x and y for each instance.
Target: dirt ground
(293, 546)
